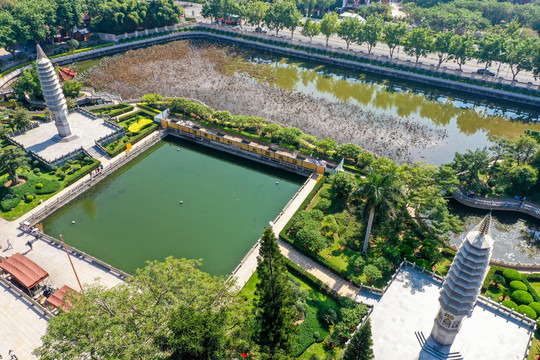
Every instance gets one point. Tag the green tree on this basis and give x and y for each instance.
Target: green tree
(37, 19)
(462, 48)
(20, 119)
(418, 42)
(289, 135)
(274, 308)
(9, 32)
(72, 88)
(470, 165)
(326, 145)
(349, 151)
(293, 16)
(441, 45)
(490, 48)
(394, 35)
(348, 29)
(28, 84)
(13, 158)
(521, 179)
(69, 13)
(372, 273)
(523, 149)
(361, 345)
(520, 54)
(255, 12)
(311, 29)
(311, 238)
(372, 31)
(212, 9)
(151, 99)
(342, 184)
(329, 25)
(381, 193)
(145, 316)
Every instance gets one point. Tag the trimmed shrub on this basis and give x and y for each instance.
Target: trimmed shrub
(527, 310)
(535, 306)
(316, 335)
(405, 249)
(30, 197)
(510, 304)
(518, 285)
(10, 203)
(39, 186)
(511, 275)
(522, 297)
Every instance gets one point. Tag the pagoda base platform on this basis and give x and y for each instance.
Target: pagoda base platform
(45, 141)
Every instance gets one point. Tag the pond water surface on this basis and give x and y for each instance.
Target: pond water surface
(134, 215)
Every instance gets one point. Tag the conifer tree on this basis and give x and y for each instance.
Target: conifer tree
(360, 346)
(274, 310)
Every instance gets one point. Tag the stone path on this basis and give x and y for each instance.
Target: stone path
(249, 264)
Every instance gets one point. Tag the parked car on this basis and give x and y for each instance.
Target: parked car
(261, 30)
(487, 72)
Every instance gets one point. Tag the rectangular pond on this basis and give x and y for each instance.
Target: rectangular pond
(135, 214)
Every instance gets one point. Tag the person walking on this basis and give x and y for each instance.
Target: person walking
(29, 243)
(9, 245)
(12, 355)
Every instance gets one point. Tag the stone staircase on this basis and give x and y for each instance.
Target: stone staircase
(434, 351)
(95, 152)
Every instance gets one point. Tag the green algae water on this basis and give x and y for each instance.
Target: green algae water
(135, 214)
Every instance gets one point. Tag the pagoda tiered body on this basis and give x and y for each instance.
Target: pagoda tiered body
(463, 282)
(52, 91)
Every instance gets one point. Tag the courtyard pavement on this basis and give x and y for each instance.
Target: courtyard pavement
(410, 305)
(45, 141)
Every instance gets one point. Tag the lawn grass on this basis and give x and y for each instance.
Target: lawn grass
(534, 344)
(442, 266)
(317, 302)
(535, 285)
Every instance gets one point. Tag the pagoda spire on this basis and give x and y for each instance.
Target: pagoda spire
(52, 92)
(463, 282)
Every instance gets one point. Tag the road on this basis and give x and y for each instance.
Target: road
(193, 9)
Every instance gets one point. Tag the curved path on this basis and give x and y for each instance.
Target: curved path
(498, 204)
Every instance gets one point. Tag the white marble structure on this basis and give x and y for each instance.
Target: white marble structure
(463, 282)
(52, 91)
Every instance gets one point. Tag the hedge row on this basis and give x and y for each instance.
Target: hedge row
(530, 289)
(149, 108)
(533, 277)
(83, 172)
(492, 271)
(135, 114)
(133, 140)
(114, 110)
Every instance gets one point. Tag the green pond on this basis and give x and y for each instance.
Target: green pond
(135, 214)
(468, 120)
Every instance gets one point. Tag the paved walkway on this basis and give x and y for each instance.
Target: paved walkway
(249, 264)
(21, 327)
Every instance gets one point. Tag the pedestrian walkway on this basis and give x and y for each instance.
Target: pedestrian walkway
(21, 327)
(249, 264)
(506, 204)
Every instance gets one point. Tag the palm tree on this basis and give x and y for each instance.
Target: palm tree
(381, 191)
(11, 159)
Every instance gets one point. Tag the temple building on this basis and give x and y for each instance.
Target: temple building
(463, 282)
(52, 92)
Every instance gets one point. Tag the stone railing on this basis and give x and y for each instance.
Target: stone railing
(25, 298)
(33, 125)
(82, 185)
(66, 157)
(498, 204)
(78, 253)
(42, 160)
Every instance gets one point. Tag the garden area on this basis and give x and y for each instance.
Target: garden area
(113, 110)
(33, 182)
(138, 125)
(331, 229)
(324, 322)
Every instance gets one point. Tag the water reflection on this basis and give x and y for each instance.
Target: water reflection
(513, 233)
(469, 121)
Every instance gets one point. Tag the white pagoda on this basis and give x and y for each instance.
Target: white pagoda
(52, 91)
(463, 282)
